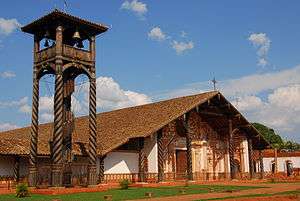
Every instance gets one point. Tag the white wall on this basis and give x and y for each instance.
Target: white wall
(121, 163)
(281, 163)
(151, 152)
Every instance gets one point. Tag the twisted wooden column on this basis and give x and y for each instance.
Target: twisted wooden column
(189, 159)
(58, 131)
(261, 164)
(17, 169)
(93, 133)
(160, 156)
(231, 151)
(141, 160)
(250, 153)
(32, 178)
(101, 169)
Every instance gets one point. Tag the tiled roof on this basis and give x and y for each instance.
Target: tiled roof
(114, 128)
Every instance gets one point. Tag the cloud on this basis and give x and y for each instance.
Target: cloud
(280, 110)
(16, 103)
(7, 126)
(111, 96)
(7, 26)
(25, 109)
(262, 43)
(181, 47)
(7, 74)
(157, 34)
(138, 7)
(183, 34)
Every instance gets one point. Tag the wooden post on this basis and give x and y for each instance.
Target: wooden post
(101, 169)
(250, 152)
(226, 158)
(17, 169)
(32, 177)
(141, 160)
(189, 159)
(231, 150)
(160, 156)
(261, 164)
(276, 160)
(58, 113)
(92, 175)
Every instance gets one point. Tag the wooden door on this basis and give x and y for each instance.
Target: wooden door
(181, 164)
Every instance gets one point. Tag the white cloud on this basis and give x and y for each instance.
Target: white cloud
(111, 96)
(181, 47)
(262, 43)
(280, 110)
(7, 126)
(7, 74)
(157, 34)
(25, 109)
(136, 6)
(7, 26)
(17, 103)
(47, 117)
(183, 34)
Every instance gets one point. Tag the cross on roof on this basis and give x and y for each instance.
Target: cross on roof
(214, 81)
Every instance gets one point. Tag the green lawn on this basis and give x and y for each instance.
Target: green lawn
(131, 193)
(255, 195)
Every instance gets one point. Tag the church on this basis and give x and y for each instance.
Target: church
(197, 137)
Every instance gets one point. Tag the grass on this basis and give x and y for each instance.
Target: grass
(129, 194)
(255, 195)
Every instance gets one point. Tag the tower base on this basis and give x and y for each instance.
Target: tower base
(56, 173)
(32, 177)
(92, 175)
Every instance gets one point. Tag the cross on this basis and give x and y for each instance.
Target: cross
(214, 81)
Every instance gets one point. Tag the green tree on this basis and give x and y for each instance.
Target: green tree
(274, 139)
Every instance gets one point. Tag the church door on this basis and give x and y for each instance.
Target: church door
(181, 164)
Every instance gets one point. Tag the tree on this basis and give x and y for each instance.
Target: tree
(274, 139)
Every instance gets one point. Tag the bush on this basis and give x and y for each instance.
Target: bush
(22, 190)
(124, 184)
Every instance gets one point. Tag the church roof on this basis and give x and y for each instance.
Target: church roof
(117, 127)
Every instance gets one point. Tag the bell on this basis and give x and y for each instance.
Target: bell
(46, 44)
(47, 34)
(76, 35)
(80, 44)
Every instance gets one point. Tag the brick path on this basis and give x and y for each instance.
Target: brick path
(273, 188)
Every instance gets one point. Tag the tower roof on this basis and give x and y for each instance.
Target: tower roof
(69, 22)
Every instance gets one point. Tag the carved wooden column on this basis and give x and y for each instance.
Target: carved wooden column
(17, 169)
(160, 156)
(261, 164)
(231, 150)
(276, 160)
(32, 178)
(58, 113)
(226, 157)
(93, 133)
(101, 169)
(189, 159)
(250, 153)
(142, 161)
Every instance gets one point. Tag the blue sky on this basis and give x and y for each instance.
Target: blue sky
(155, 51)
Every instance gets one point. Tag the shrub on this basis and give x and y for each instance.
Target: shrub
(22, 190)
(124, 184)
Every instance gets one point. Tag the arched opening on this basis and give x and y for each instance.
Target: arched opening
(289, 168)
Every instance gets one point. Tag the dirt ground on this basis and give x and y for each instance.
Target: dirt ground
(272, 188)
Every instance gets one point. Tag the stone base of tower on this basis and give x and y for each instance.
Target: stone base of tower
(56, 174)
(32, 177)
(92, 175)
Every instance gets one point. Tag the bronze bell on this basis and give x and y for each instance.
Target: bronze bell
(76, 35)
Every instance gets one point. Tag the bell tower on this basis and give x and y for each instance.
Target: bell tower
(63, 54)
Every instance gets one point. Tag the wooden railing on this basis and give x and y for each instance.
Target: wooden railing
(68, 51)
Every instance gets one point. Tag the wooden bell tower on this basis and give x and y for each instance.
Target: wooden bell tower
(63, 55)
